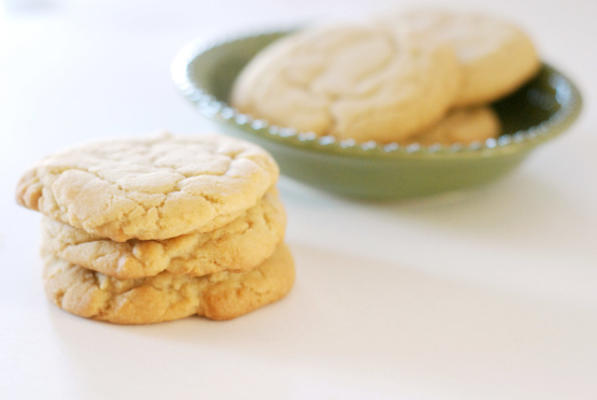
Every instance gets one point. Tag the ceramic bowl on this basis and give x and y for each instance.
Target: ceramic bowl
(534, 114)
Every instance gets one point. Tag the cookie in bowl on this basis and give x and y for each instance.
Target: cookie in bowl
(350, 81)
(461, 126)
(496, 56)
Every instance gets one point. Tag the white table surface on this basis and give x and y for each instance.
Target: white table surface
(489, 294)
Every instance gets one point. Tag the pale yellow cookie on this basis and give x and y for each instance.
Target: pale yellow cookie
(496, 56)
(167, 296)
(350, 81)
(154, 188)
(240, 245)
(462, 126)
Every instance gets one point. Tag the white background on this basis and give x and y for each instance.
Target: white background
(489, 294)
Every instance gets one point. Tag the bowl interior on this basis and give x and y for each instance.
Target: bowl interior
(215, 70)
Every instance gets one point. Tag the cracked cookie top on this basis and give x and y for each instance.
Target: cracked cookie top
(155, 188)
(351, 81)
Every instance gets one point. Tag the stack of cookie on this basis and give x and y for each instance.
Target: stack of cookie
(422, 77)
(149, 230)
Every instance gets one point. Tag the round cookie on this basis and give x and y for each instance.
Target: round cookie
(240, 245)
(350, 81)
(146, 189)
(167, 296)
(462, 126)
(496, 56)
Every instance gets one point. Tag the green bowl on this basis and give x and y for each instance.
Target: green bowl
(536, 113)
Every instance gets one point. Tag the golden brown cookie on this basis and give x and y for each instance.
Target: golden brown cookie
(496, 56)
(147, 189)
(351, 81)
(240, 245)
(462, 126)
(164, 297)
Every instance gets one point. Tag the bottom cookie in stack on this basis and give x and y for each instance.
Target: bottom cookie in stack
(167, 296)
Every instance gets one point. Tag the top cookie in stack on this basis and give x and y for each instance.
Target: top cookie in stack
(147, 230)
(149, 188)
(419, 76)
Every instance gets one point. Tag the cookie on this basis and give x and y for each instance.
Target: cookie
(350, 81)
(462, 126)
(167, 296)
(496, 56)
(147, 189)
(240, 245)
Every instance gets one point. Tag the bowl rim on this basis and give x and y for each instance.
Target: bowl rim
(212, 108)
